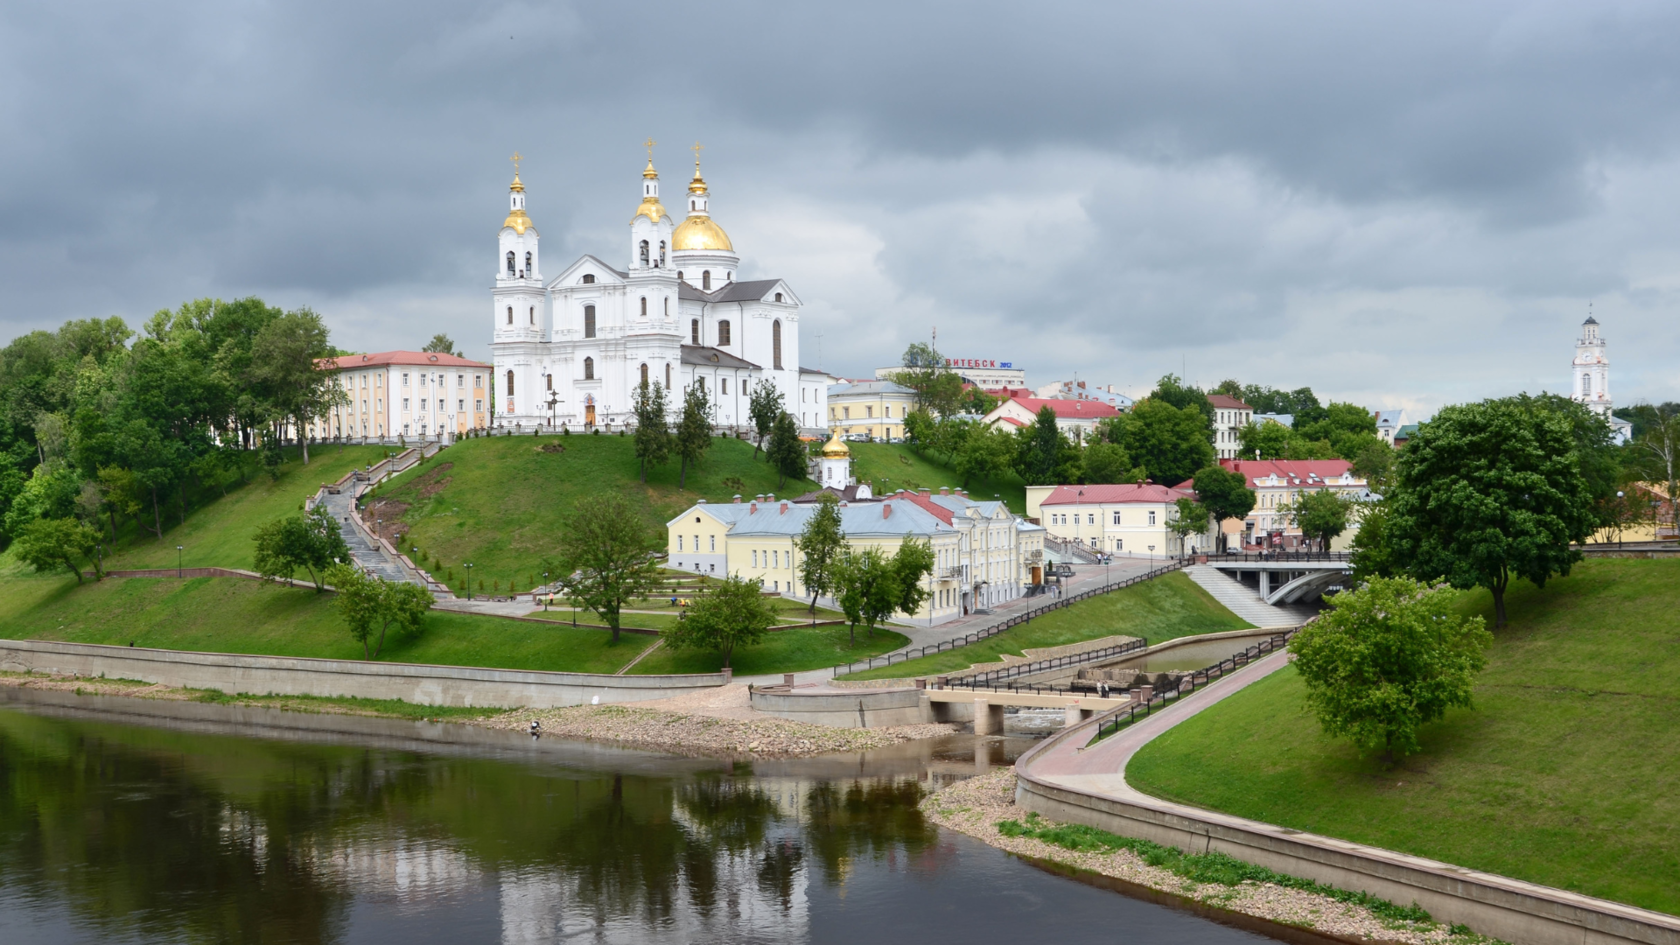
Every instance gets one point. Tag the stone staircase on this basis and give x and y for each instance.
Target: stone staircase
(342, 506)
(1245, 602)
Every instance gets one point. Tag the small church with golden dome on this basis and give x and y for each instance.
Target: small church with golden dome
(571, 349)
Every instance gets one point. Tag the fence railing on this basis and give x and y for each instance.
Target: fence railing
(1268, 557)
(1014, 620)
(1125, 716)
(998, 679)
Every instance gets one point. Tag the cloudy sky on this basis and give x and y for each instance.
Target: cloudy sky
(1402, 206)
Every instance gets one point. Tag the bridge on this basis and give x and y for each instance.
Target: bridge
(1288, 577)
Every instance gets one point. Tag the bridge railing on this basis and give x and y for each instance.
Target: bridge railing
(1125, 716)
(1000, 678)
(1279, 557)
(1014, 620)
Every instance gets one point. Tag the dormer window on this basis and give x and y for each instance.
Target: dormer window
(589, 278)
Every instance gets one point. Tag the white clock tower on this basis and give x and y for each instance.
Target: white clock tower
(1590, 384)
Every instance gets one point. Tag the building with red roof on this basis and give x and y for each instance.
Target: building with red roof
(1278, 482)
(1076, 418)
(1230, 415)
(411, 394)
(1126, 518)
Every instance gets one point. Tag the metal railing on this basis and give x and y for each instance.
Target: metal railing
(1002, 625)
(998, 679)
(1126, 715)
(1272, 557)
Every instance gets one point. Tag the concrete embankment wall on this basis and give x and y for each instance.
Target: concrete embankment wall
(862, 709)
(293, 676)
(1496, 906)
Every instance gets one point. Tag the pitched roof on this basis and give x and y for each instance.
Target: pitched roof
(1227, 403)
(728, 292)
(1289, 471)
(417, 358)
(713, 357)
(867, 387)
(1117, 494)
(603, 264)
(1064, 409)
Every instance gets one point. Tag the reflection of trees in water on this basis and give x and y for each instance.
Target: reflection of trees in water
(212, 838)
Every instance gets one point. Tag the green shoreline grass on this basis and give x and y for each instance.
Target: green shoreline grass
(1166, 608)
(1559, 775)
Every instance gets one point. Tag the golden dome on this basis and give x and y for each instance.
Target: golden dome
(702, 233)
(650, 208)
(517, 186)
(697, 185)
(520, 222)
(834, 449)
(648, 173)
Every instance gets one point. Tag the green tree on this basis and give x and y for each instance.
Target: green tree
(312, 542)
(284, 370)
(987, 453)
(441, 344)
(653, 437)
(606, 556)
(911, 565)
(1264, 440)
(1170, 443)
(1346, 427)
(787, 451)
(1372, 552)
(764, 407)
(1386, 659)
(1658, 451)
(1104, 462)
(694, 430)
(938, 390)
(369, 605)
(1038, 452)
(1224, 493)
(1189, 518)
(1374, 463)
(733, 613)
(1489, 490)
(868, 588)
(920, 430)
(1172, 389)
(1320, 514)
(821, 544)
(48, 544)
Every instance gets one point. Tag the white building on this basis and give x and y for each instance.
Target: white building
(984, 373)
(411, 394)
(1077, 418)
(572, 349)
(1127, 519)
(1389, 423)
(1591, 381)
(1230, 415)
(1079, 390)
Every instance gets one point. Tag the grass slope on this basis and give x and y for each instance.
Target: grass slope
(894, 466)
(1166, 608)
(1562, 774)
(784, 651)
(231, 615)
(498, 501)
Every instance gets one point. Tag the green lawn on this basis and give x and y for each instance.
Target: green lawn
(894, 466)
(498, 501)
(783, 651)
(232, 615)
(1165, 608)
(1563, 773)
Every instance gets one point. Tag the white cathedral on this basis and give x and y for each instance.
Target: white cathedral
(1591, 381)
(571, 350)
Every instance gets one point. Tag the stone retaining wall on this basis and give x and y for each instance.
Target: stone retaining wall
(845, 709)
(294, 676)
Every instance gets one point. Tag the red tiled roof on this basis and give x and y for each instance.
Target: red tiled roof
(1012, 420)
(1227, 403)
(419, 358)
(1068, 409)
(1113, 494)
(1288, 470)
(925, 504)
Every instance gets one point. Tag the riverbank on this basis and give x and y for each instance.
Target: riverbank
(978, 806)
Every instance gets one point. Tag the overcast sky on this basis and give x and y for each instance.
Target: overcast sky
(1401, 206)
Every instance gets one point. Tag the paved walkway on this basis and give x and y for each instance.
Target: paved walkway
(367, 557)
(1246, 602)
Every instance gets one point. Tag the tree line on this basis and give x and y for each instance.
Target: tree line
(657, 438)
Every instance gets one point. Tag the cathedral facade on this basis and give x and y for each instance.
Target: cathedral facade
(571, 349)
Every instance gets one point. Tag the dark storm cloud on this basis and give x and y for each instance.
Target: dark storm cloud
(1155, 179)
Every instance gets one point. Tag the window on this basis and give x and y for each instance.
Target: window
(886, 411)
(644, 252)
(776, 343)
(706, 280)
(589, 278)
(667, 306)
(778, 296)
(644, 375)
(510, 314)
(589, 321)
(378, 380)
(679, 543)
(510, 384)
(1119, 544)
(460, 380)
(847, 411)
(588, 369)
(755, 557)
(533, 314)
(549, 379)
(869, 412)
(405, 378)
(713, 539)
(510, 264)
(1151, 518)
(1586, 385)
(723, 333)
(694, 331)
(528, 267)
(644, 306)
(661, 253)
(1091, 519)
(478, 406)
(1116, 518)
(478, 380)
(405, 405)
(667, 375)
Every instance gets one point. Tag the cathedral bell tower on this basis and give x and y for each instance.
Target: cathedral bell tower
(650, 228)
(1592, 370)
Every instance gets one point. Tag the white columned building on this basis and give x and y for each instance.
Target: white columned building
(1590, 381)
(572, 349)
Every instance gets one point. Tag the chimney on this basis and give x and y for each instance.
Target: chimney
(770, 497)
(752, 509)
(737, 499)
(886, 510)
(842, 503)
(784, 507)
(944, 490)
(699, 501)
(927, 492)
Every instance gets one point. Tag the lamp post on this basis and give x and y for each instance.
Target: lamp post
(549, 597)
(469, 580)
(180, 570)
(1619, 517)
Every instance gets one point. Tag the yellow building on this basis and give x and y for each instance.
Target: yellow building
(873, 408)
(411, 394)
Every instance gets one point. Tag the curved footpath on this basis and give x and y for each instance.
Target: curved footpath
(1062, 779)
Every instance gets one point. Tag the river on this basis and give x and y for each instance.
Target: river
(128, 821)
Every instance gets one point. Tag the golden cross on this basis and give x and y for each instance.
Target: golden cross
(517, 157)
(649, 143)
(698, 147)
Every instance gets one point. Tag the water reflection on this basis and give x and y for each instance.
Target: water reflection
(121, 832)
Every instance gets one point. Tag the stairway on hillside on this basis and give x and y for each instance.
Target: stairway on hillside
(367, 557)
(1246, 602)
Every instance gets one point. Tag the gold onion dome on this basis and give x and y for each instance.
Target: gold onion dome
(520, 222)
(651, 207)
(698, 232)
(648, 173)
(834, 449)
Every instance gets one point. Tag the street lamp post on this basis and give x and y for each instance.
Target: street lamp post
(549, 597)
(180, 570)
(469, 580)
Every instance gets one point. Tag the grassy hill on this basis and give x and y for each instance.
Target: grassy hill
(1166, 608)
(893, 466)
(1563, 773)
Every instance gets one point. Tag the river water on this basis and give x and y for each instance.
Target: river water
(127, 821)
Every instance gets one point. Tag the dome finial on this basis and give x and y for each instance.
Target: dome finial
(648, 172)
(698, 185)
(517, 185)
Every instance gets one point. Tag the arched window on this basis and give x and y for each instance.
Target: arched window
(589, 321)
(679, 275)
(667, 375)
(533, 314)
(694, 331)
(528, 268)
(662, 252)
(589, 279)
(667, 306)
(548, 379)
(644, 306)
(644, 376)
(588, 369)
(644, 252)
(1586, 385)
(778, 296)
(706, 280)
(510, 264)
(510, 314)
(776, 343)
(723, 333)
(510, 384)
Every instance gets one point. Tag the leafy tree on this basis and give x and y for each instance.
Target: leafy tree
(868, 588)
(1374, 463)
(1039, 451)
(1386, 659)
(441, 344)
(821, 544)
(733, 613)
(1320, 514)
(1168, 442)
(1190, 518)
(938, 390)
(1265, 440)
(312, 542)
(911, 565)
(368, 604)
(694, 430)
(976, 401)
(1659, 455)
(987, 453)
(787, 451)
(48, 544)
(1490, 490)
(1172, 389)
(653, 437)
(1372, 552)
(606, 556)
(764, 407)
(1346, 427)
(284, 369)
(1104, 462)
(1224, 493)
(920, 430)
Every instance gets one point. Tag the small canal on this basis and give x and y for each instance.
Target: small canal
(127, 821)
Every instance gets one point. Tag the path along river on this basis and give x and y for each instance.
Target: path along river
(123, 821)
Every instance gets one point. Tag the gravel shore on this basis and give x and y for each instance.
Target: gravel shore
(977, 805)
